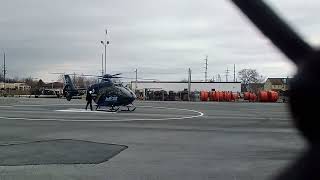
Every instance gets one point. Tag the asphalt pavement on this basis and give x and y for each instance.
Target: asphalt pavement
(162, 140)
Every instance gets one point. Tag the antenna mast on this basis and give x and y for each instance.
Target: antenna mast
(206, 70)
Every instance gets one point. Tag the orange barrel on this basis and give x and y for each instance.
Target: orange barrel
(264, 96)
(221, 96)
(273, 96)
(228, 96)
(218, 96)
(204, 95)
(235, 96)
(252, 97)
(215, 96)
(246, 96)
(211, 96)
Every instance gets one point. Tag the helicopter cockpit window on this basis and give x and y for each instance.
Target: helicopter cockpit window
(124, 91)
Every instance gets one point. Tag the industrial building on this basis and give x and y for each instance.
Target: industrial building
(178, 90)
(15, 86)
(180, 86)
(277, 84)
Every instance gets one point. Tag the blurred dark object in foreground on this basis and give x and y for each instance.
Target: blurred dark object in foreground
(302, 103)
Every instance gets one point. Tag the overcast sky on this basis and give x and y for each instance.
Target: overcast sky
(162, 39)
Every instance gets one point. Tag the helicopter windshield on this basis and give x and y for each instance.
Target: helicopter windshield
(116, 82)
(125, 91)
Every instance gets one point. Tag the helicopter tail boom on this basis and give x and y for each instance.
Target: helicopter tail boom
(69, 90)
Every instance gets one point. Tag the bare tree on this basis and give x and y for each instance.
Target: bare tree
(250, 76)
(79, 81)
(247, 76)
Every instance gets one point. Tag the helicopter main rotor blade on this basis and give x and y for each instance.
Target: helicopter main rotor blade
(277, 30)
(57, 73)
(116, 74)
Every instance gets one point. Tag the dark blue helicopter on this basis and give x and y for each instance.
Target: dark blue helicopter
(107, 93)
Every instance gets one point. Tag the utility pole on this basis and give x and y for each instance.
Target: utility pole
(105, 43)
(189, 84)
(102, 72)
(227, 74)
(105, 52)
(234, 72)
(206, 70)
(4, 71)
(74, 77)
(136, 84)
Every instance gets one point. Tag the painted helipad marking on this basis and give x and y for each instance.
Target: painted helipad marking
(5, 106)
(83, 111)
(199, 114)
(43, 105)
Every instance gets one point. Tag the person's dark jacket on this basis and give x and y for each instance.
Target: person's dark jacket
(89, 97)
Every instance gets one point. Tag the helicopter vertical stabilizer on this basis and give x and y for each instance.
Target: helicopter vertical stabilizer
(68, 82)
(69, 90)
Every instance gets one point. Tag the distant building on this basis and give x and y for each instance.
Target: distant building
(15, 86)
(256, 87)
(53, 85)
(277, 84)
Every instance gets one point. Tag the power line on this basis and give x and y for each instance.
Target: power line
(136, 84)
(206, 71)
(227, 74)
(4, 71)
(219, 77)
(102, 72)
(105, 52)
(105, 43)
(234, 72)
(189, 83)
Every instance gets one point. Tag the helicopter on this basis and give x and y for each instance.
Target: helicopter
(106, 93)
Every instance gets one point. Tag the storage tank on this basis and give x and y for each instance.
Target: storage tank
(235, 96)
(228, 96)
(212, 95)
(263, 96)
(215, 95)
(252, 97)
(246, 96)
(220, 96)
(273, 96)
(204, 95)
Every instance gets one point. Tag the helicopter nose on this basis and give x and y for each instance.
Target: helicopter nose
(132, 99)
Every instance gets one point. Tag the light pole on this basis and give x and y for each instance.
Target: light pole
(102, 65)
(52, 81)
(4, 71)
(105, 43)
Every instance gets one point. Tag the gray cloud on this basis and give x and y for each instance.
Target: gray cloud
(160, 38)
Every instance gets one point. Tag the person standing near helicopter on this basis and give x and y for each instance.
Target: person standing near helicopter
(89, 99)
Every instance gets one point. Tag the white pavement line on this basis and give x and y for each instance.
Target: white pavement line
(83, 111)
(249, 118)
(6, 106)
(200, 114)
(39, 105)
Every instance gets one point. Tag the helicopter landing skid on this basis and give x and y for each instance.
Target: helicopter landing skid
(128, 108)
(114, 109)
(111, 108)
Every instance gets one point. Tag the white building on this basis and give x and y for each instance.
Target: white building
(15, 86)
(180, 86)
